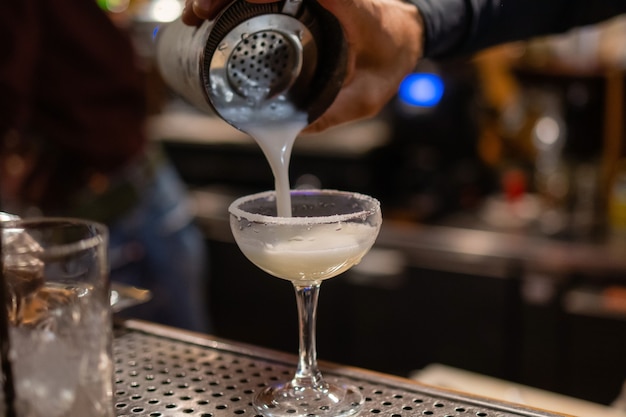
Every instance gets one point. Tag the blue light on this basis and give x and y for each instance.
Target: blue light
(421, 90)
(155, 32)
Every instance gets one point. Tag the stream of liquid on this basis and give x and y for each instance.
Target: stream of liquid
(276, 141)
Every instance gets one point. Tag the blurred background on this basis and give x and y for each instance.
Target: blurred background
(503, 184)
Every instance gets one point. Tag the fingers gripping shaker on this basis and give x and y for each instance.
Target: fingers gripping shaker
(257, 63)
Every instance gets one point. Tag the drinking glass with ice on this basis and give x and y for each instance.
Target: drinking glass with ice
(58, 319)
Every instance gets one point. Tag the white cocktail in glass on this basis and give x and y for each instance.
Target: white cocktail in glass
(328, 233)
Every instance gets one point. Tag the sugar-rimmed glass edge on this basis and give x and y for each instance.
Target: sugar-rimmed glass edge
(335, 218)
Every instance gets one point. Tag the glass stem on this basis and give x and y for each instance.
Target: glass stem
(307, 373)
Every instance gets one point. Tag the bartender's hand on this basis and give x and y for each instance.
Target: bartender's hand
(385, 42)
(196, 11)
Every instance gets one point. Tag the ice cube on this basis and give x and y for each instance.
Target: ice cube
(43, 364)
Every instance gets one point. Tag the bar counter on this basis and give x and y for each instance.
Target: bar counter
(162, 371)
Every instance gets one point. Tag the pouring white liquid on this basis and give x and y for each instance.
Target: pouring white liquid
(276, 141)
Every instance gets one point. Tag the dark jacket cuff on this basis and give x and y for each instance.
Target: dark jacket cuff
(446, 24)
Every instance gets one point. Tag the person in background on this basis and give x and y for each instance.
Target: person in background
(387, 38)
(72, 143)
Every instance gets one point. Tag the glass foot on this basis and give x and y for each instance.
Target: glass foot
(287, 400)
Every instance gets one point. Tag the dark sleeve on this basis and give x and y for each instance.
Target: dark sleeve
(459, 27)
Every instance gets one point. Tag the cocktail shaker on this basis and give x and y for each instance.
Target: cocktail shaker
(256, 63)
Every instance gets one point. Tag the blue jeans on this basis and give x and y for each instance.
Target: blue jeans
(157, 246)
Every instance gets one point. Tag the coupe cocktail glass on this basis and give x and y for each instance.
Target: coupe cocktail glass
(328, 233)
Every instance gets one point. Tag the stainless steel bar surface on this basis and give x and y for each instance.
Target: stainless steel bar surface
(162, 372)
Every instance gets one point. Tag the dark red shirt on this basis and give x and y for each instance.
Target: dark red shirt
(72, 105)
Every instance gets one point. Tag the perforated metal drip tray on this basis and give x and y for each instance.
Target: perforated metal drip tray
(162, 372)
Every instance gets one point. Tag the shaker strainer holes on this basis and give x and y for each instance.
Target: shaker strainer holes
(259, 64)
